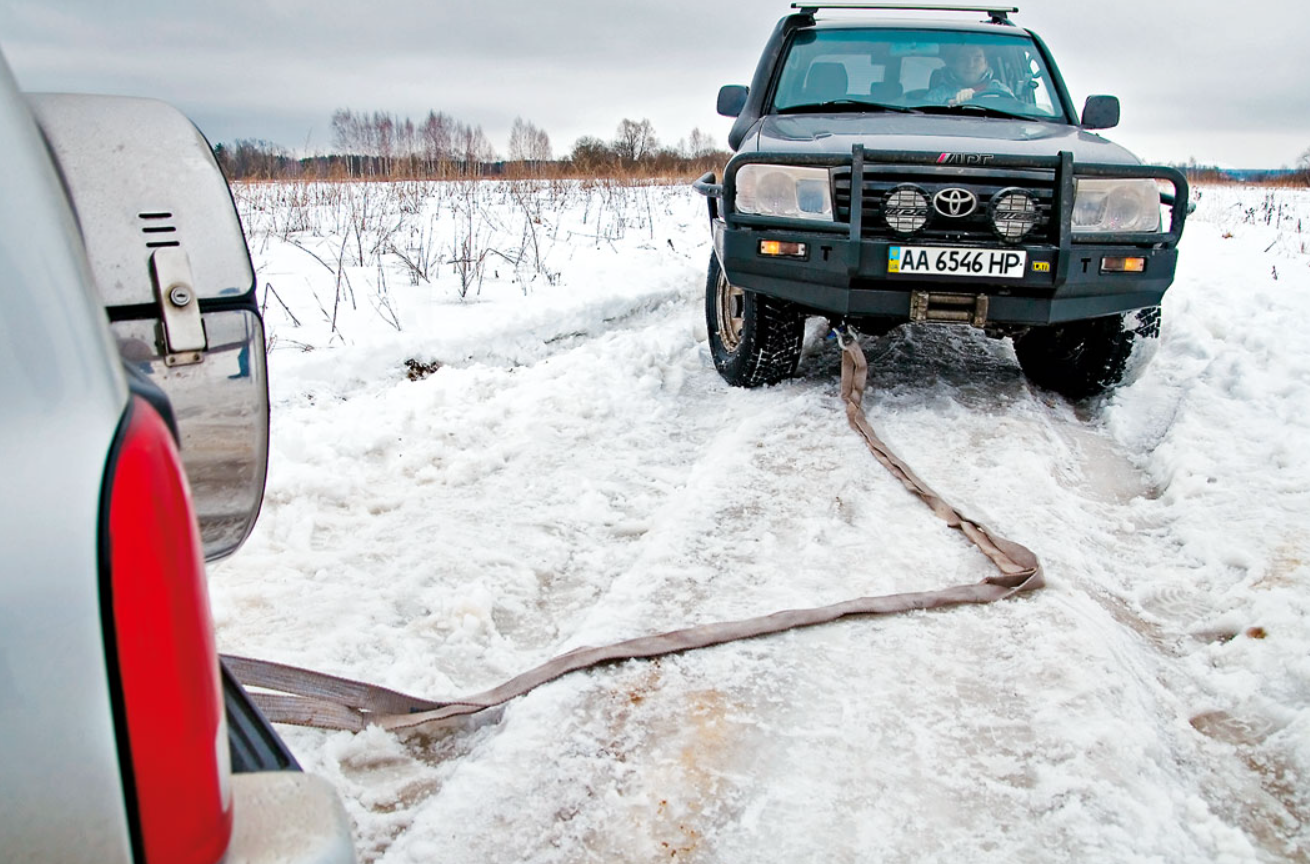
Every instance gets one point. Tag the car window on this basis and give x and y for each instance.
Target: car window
(860, 70)
(916, 71)
(1043, 94)
(913, 68)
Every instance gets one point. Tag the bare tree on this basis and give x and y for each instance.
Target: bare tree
(528, 145)
(541, 147)
(255, 159)
(519, 135)
(634, 141)
(437, 146)
(384, 130)
(347, 136)
(407, 143)
(590, 155)
(343, 121)
(471, 146)
(699, 145)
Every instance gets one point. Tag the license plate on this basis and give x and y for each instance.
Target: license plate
(951, 261)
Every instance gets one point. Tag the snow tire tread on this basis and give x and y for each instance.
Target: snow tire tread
(772, 334)
(1081, 359)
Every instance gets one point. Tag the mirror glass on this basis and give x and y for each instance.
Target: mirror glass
(221, 406)
(1100, 112)
(732, 99)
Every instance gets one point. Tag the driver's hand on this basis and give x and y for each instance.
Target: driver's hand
(964, 95)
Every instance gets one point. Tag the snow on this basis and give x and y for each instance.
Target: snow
(575, 472)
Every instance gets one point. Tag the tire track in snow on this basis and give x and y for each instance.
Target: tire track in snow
(900, 739)
(1118, 565)
(750, 499)
(706, 505)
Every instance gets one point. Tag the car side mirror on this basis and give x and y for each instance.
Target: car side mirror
(1101, 112)
(732, 99)
(171, 265)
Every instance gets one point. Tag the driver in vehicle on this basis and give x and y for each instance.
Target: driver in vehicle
(966, 76)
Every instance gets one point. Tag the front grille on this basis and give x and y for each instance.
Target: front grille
(976, 227)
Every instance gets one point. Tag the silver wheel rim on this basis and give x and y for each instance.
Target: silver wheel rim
(731, 304)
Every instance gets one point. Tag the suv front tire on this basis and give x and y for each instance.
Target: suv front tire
(1086, 358)
(755, 339)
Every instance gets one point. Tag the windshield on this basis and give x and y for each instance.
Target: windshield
(934, 70)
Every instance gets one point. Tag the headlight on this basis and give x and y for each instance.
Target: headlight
(783, 190)
(1102, 206)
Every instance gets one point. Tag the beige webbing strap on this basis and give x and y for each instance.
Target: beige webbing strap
(1012, 559)
(309, 698)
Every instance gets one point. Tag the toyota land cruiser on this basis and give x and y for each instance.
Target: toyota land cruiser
(891, 170)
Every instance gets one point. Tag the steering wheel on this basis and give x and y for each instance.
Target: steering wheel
(998, 99)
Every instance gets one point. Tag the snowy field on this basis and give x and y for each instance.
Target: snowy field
(498, 435)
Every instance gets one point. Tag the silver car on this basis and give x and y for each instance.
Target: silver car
(131, 362)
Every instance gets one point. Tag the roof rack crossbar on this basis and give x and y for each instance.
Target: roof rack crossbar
(998, 14)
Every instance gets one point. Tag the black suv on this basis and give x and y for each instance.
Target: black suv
(890, 171)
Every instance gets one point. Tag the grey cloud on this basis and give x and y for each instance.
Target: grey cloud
(276, 70)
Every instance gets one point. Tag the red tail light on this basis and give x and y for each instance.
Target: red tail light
(166, 658)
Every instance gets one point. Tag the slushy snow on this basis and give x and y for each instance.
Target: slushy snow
(568, 469)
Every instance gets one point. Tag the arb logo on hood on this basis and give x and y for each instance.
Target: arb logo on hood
(964, 159)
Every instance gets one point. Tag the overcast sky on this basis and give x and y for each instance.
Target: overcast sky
(1226, 83)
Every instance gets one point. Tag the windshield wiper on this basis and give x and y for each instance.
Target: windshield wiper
(971, 108)
(844, 105)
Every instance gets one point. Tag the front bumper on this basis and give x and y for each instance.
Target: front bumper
(844, 271)
(824, 282)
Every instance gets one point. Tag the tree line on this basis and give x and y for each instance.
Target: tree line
(380, 145)
(1298, 175)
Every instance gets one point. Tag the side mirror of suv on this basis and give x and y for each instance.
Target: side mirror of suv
(1101, 112)
(172, 268)
(732, 98)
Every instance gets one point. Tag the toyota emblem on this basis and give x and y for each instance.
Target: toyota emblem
(955, 202)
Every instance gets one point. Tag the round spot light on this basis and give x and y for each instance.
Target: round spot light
(1014, 213)
(906, 209)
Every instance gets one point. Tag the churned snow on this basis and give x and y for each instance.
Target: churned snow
(567, 469)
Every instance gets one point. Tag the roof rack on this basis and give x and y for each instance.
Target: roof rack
(998, 14)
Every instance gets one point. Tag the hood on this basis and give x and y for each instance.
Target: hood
(814, 134)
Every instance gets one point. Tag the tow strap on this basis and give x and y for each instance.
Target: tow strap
(289, 694)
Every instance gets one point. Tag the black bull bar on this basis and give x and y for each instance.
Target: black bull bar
(937, 165)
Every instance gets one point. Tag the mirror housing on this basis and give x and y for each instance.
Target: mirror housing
(171, 265)
(732, 99)
(1101, 112)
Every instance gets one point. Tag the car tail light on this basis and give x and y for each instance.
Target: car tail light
(164, 651)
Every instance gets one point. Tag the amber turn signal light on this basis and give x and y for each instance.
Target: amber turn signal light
(1123, 265)
(779, 249)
